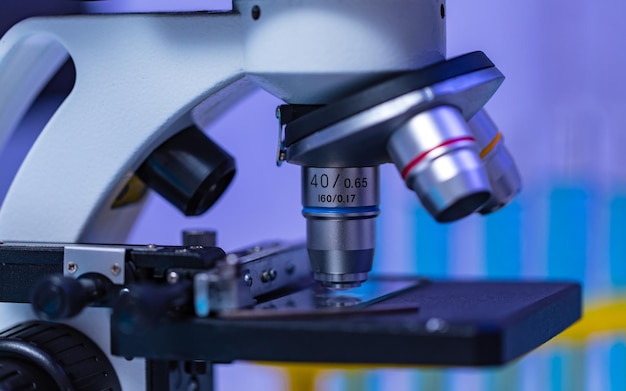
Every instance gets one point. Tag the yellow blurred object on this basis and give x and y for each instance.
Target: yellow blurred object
(302, 377)
(602, 317)
(132, 192)
(492, 144)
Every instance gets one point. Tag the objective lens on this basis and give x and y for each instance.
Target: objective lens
(437, 157)
(340, 205)
(503, 175)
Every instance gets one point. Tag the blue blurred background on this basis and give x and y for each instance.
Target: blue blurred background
(562, 110)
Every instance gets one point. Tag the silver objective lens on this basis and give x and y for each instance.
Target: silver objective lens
(503, 175)
(340, 205)
(437, 157)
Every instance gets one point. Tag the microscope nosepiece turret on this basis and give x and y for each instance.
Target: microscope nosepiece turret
(416, 120)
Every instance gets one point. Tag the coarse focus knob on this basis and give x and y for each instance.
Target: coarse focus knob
(46, 356)
(20, 375)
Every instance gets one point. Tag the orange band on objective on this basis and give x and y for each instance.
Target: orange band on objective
(491, 145)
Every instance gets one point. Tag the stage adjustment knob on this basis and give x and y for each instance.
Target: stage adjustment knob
(56, 297)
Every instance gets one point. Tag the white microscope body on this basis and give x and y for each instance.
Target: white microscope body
(140, 78)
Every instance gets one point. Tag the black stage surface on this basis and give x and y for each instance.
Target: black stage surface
(451, 323)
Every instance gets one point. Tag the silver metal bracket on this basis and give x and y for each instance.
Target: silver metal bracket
(107, 261)
(241, 277)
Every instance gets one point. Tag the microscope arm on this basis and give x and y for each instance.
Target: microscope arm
(35, 60)
(138, 77)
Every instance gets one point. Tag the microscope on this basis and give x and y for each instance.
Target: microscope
(364, 83)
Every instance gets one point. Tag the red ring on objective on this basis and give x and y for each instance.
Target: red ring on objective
(421, 156)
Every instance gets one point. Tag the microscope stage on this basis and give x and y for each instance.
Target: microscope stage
(451, 323)
(388, 320)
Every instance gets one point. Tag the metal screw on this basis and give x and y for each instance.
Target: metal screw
(255, 249)
(116, 269)
(152, 246)
(72, 267)
(124, 291)
(268, 275)
(435, 325)
(232, 259)
(193, 385)
(172, 277)
(248, 278)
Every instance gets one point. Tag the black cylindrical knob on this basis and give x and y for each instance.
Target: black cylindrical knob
(56, 297)
(199, 237)
(189, 170)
